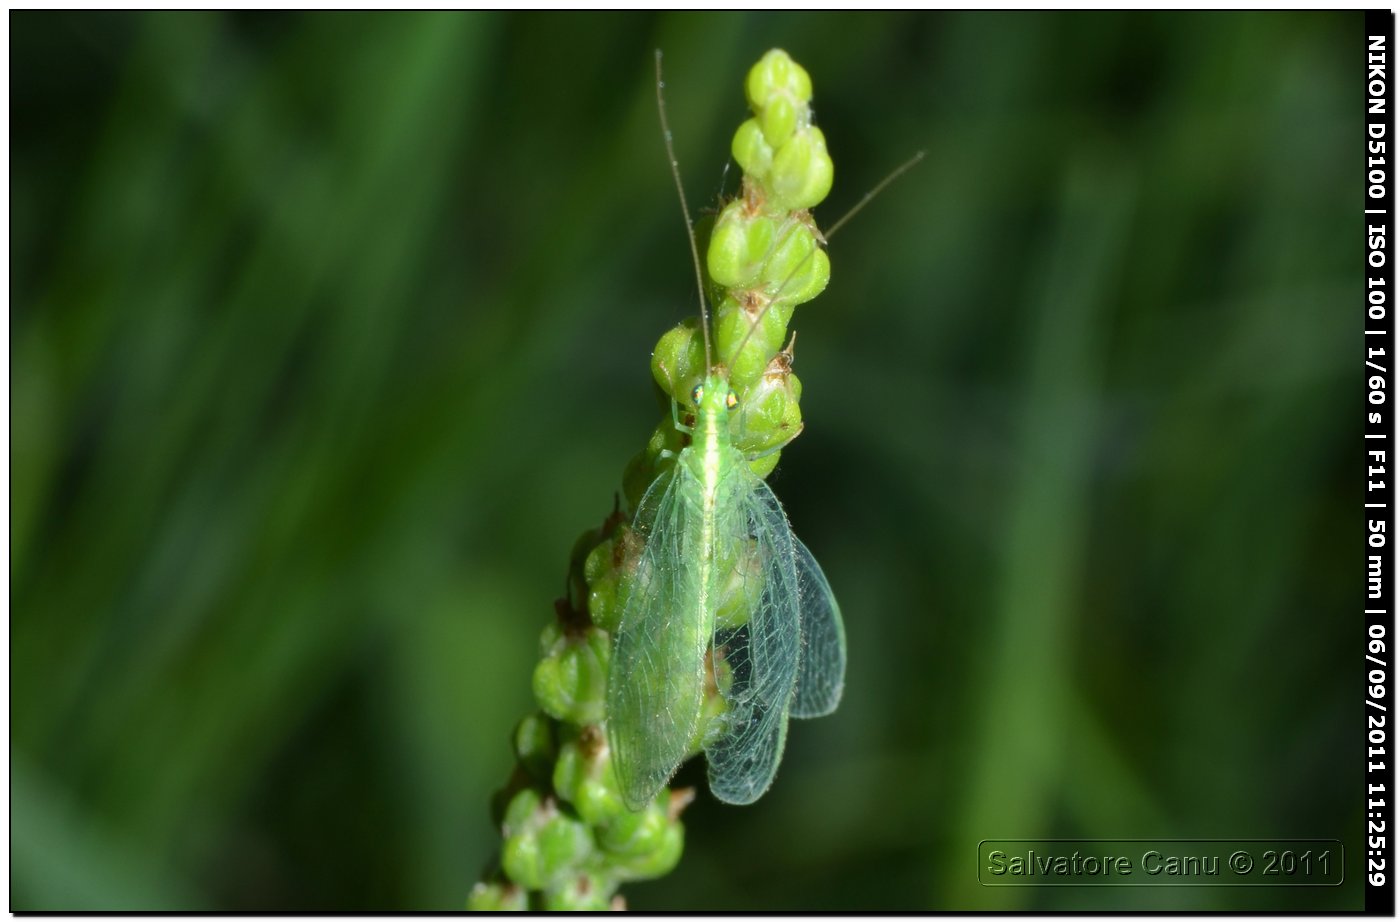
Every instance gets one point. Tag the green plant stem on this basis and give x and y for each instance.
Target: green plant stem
(568, 840)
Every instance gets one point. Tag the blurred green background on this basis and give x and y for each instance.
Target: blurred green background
(330, 333)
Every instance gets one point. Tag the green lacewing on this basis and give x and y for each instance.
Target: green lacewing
(707, 524)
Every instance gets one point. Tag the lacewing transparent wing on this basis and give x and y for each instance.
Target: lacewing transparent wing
(821, 673)
(761, 656)
(656, 680)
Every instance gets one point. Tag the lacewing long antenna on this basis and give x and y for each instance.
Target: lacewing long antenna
(685, 210)
(865, 199)
(824, 236)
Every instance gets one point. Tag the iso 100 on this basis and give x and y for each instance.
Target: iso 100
(1289, 863)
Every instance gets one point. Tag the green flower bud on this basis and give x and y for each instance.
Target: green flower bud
(804, 284)
(792, 412)
(597, 797)
(777, 74)
(578, 588)
(774, 414)
(568, 770)
(751, 151)
(678, 361)
(770, 416)
(739, 245)
(520, 859)
(660, 860)
(667, 441)
(584, 893)
(584, 777)
(631, 834)
(497, 897)
(780, 119)
(764, 466)
(732, 325)
(783, 431)
(798, 269)
(520, 854)
(570, 683)
(601, 575)
(608, 571)
(564, 843)
(543, 845)
(766, 403)
(802, 171)
(534, 745)
(521, 811)
(660, 454)
(548, 686)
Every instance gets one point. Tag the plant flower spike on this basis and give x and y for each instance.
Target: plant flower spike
(723, 602)
(697, 623)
